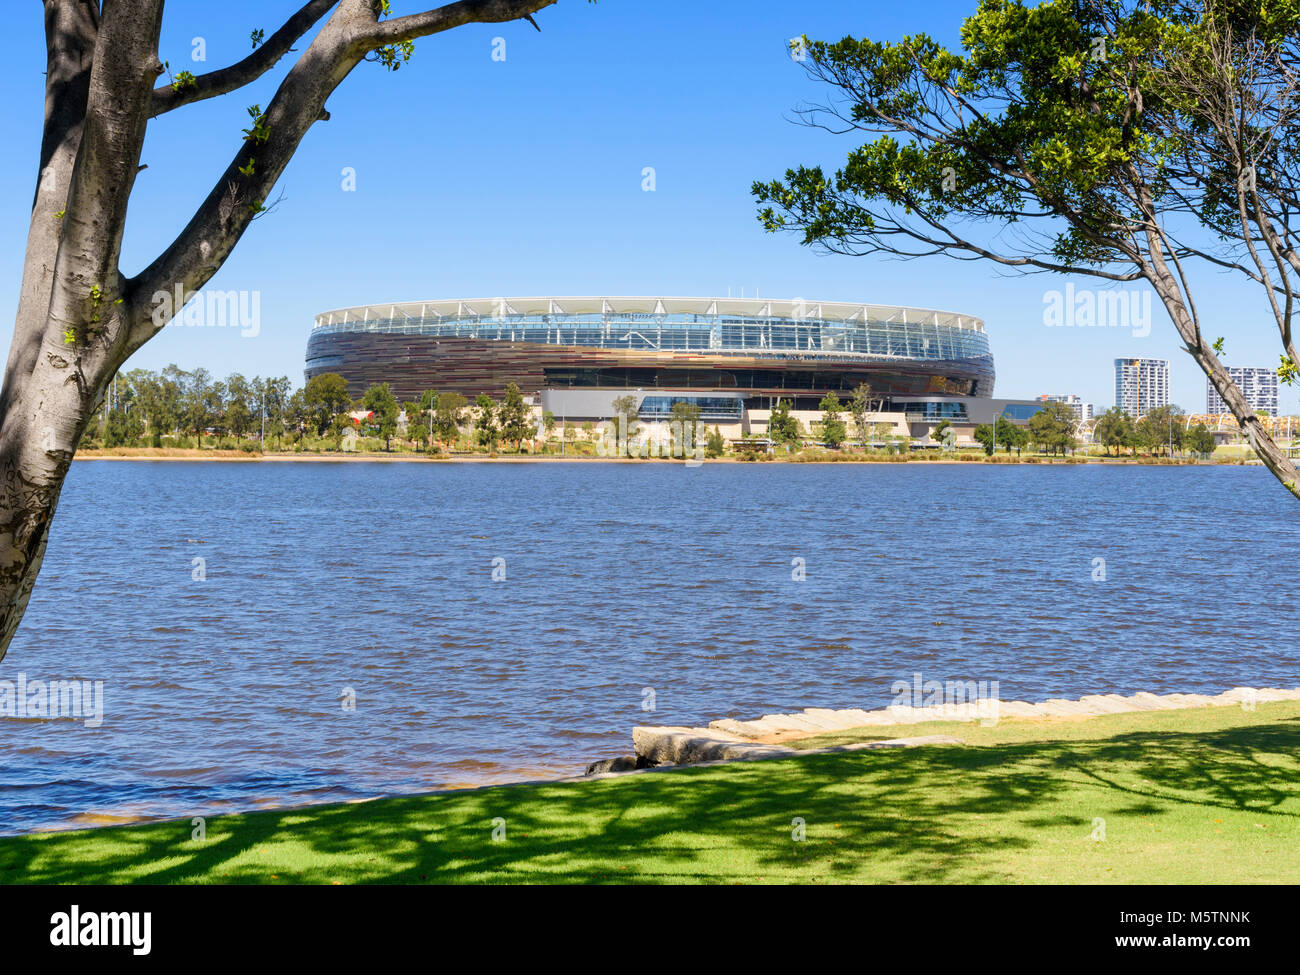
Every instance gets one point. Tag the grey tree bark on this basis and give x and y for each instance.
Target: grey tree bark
(79, 317)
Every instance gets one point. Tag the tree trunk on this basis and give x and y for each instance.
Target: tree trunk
(37, 436)
(1274, 458)
(78, 318)
(1166, 286)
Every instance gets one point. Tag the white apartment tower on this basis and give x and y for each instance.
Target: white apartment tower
(1141, 385)
(1258, 384)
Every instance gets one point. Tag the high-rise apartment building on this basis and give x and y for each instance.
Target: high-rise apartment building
(1141, 385)
(1257, 383)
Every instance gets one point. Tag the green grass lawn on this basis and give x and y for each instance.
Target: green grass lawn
(1208, 795)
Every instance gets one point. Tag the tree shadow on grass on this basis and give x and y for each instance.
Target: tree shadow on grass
(921, 815)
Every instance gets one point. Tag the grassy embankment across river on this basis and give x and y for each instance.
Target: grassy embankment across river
(1207, 795)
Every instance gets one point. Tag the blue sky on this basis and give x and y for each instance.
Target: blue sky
(480, 177)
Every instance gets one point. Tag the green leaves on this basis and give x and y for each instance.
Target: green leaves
(393, 56)
(384, 409)
(1036, 117)
(1287, 371)
(260, 131)
(805, 199)
(833, 429)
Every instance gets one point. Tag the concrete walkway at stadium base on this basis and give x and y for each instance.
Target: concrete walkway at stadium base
(731, 740)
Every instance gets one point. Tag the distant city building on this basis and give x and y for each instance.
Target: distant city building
(1141, 385)
(1258, 384)
(1082, 410)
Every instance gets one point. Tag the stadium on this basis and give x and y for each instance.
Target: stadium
(733, 357)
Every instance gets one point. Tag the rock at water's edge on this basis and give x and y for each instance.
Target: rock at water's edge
(624, 763)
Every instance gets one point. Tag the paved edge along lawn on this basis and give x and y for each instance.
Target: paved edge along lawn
(1205, 795)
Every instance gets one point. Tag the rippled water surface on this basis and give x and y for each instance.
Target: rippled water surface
(224, 693)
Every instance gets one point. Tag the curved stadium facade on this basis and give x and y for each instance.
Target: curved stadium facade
(727, 354)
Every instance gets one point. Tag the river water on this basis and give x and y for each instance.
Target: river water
(275, 633)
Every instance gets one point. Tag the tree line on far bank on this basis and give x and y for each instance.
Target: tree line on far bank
(784, 429)
(142, 407)
(1162, 430)
(180, 408)
(183, 408)
(176, 407)
(1051, 430)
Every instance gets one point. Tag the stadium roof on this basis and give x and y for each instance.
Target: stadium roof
(834, 311)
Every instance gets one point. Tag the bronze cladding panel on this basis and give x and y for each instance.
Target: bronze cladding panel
(410, 364)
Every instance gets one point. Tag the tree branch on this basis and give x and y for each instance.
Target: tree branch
(228, 79)
(205, 242)
(452, 15)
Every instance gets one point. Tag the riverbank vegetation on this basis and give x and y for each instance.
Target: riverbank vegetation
(175, 413)
(1208, 795)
